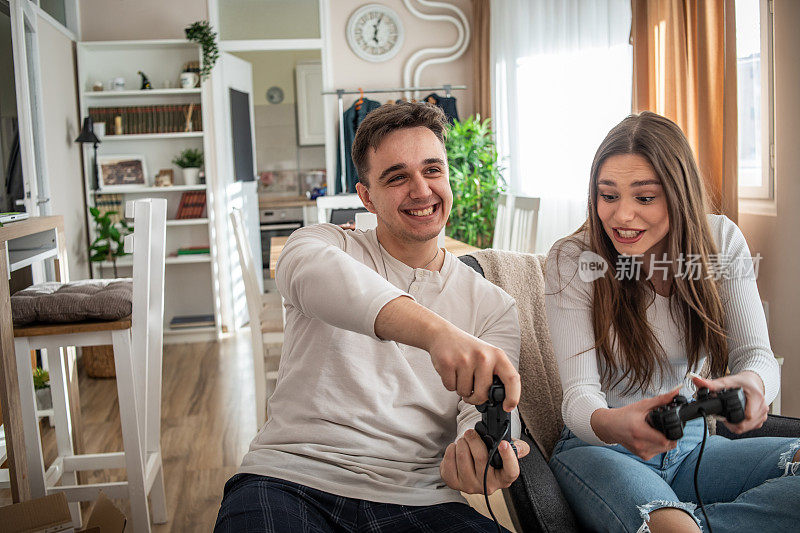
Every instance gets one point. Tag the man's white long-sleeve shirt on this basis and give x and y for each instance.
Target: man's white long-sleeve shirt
(354, 415)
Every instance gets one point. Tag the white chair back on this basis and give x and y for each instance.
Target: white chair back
(502, 223)
(524, 223)
(137, 361)
(148, 246)
(253, 298)
(366, 221)
(340, 201)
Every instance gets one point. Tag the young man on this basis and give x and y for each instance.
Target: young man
(381, 327)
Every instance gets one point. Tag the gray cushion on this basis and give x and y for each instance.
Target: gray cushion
(78, 301)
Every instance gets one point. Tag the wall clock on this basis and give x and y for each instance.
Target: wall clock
(274, 95)
(375, 33)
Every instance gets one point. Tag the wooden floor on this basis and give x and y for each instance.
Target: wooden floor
(207, 423)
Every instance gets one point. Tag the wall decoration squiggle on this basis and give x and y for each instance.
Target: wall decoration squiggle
(455, 51)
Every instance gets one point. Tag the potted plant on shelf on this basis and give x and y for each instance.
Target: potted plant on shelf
(190, 161)
(109, 235)
(203, 34)
(41, 383)
(475, 179)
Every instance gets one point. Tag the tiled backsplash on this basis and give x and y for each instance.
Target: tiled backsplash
(276, 141)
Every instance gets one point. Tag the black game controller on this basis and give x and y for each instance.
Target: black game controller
(669, 419)
(495, 424)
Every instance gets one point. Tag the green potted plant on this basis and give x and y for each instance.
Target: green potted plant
(108, 243)
(41, 383)
(190, 161)
(201, 33)
(475, 179)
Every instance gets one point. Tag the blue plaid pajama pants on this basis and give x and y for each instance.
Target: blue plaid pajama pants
(253, 503)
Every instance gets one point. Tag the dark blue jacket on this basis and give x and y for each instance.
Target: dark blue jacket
(352, 119)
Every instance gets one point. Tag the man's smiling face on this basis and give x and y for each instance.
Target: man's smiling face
(409, 186)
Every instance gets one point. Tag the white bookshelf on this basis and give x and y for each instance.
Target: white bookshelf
(140, 93)
(190, 280)
(188, 222)
(153, 136)
(149, 191)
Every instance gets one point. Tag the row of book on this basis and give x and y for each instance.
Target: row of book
(106, 203)
(193, 250)
(192, 205)
(135, 120)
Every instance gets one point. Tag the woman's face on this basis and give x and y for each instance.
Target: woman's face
(632, 206)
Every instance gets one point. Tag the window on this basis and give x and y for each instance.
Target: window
(754, 95)
(562, 80)
(566, 112)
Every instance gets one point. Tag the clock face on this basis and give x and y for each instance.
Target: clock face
(375, 33)
(274, 95)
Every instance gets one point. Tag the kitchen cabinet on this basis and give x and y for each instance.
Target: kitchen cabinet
(310, 112)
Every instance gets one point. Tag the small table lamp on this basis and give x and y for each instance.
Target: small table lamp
(87, 136)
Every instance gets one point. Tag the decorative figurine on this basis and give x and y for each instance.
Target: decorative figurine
(145, 82)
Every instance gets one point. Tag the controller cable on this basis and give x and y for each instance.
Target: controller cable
(486, 473)
(697, 470)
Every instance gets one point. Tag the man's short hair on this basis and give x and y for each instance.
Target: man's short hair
(392, 117)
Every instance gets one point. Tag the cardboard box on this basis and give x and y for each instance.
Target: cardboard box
(51, 515)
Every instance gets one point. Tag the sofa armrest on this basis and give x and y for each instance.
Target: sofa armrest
(535, 500)
(774, 426)
(472, 263)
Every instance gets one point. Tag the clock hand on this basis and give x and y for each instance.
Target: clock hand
(375, 35)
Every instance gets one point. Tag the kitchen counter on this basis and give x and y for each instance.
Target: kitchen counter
(274, 202)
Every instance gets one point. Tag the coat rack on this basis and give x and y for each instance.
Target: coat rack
(447, 88)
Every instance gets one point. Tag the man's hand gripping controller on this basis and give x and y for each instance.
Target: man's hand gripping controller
(495, 424)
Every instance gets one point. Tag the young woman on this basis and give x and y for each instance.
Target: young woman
(648, 292)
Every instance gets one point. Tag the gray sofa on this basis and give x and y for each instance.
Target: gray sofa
(535, 501)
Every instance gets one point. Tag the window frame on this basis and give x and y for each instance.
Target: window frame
(765, 191)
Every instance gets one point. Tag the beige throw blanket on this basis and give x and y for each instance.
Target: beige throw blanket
(521, 276)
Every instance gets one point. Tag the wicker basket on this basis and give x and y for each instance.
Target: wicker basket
(98, 361)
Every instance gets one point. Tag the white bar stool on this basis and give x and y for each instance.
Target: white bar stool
(137, 343)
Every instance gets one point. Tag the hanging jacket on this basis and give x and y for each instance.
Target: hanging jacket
(352, 118)
(447, 103)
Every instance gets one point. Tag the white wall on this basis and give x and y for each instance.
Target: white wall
(61, 126)
(350, 71)
(275, 69)
(269, 19)
(116, 20)
(276, 124)
(775, 237)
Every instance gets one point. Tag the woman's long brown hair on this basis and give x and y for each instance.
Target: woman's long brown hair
(619, 306)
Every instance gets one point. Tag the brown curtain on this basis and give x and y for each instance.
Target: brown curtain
(481, 67)
(684, 67)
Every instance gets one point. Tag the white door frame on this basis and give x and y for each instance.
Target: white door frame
(220, 97)
(230, 72)
(27, 77)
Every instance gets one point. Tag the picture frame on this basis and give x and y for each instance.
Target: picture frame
(117, 171)
(164, 178)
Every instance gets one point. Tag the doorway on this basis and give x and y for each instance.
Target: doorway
(11, 185)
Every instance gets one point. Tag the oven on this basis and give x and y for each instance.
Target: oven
(277, 222)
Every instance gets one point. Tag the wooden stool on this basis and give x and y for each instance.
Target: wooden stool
(137, 342)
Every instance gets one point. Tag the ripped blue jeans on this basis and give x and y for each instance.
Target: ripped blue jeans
(746, 484)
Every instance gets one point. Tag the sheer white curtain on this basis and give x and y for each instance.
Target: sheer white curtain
(562, 78)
